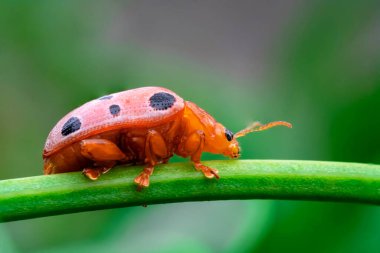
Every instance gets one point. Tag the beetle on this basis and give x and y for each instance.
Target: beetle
(139, 126)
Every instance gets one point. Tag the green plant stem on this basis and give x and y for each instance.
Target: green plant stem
(31, 197)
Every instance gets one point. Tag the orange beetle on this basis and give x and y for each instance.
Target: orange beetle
(140, 126)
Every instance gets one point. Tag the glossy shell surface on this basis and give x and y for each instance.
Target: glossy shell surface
(141, 107)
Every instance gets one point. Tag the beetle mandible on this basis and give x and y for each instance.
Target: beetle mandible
(140, 126)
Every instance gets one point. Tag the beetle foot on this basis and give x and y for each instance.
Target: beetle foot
(94, 174)
(142, 180)
(207, 171)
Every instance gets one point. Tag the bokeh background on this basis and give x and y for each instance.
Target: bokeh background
(313, 63)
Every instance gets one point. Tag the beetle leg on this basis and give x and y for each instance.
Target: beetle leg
(94, 173)
(103, 152)
(207, 171)
(142, 180)
(155, 151)
(194, 146)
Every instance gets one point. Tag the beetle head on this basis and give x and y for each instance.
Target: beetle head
(225, 142)
(222, 141)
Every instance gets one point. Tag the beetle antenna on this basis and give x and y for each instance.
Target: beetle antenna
(257, 127)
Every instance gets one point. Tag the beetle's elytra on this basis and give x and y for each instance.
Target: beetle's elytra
(141, 126)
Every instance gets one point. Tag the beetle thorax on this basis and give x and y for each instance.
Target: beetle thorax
(196, 120)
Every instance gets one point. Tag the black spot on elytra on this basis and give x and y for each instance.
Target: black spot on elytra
(114, 110)
(105, 97)
(161, 101)
(72, 125)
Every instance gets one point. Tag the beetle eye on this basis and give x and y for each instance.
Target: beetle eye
(229, 135)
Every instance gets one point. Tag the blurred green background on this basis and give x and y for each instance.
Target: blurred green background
(313, 63)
